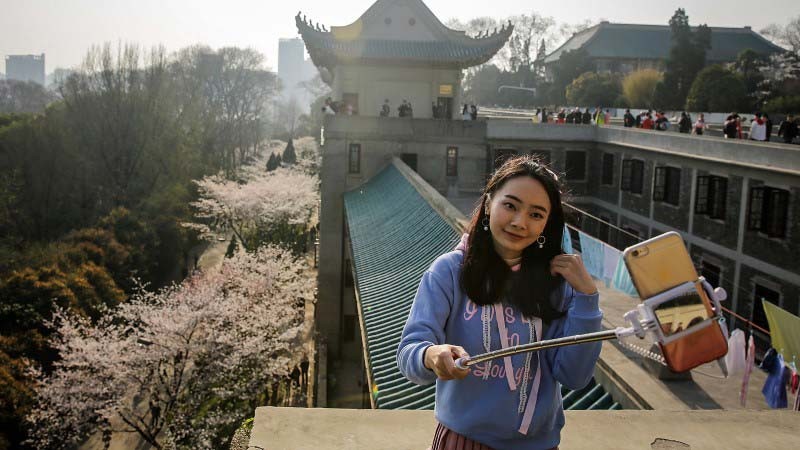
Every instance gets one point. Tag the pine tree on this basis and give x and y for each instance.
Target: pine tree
(687, 57)
(232, 247)
(289, 156)
(272, 163)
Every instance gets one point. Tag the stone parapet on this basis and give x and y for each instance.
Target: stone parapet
(340, 429)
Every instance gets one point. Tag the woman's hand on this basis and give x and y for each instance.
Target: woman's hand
(571, 268)
(441, 360)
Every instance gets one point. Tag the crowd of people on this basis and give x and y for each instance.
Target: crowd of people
(573, 116)
(758, 128)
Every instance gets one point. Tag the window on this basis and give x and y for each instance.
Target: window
(576, 165)
(349, 328)
(763, 293)
(452, 161)
(768, 209)
(355, 159)
(711, 272)
(632, 175)
(410, 159)
(608, 169)
(667, 187)
(712, 194)
(349, 104)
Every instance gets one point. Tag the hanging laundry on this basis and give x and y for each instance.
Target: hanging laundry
(592, 255)
(748, 369)
(611, 257)
(622, 280)
(775, 387)
(735, 360)
(784, 330)
(566, 241)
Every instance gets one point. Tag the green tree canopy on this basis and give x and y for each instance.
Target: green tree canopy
(717, 89)
(639, 87)
(594, 89)
(568, 67)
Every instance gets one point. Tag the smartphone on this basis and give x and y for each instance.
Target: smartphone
(689, 333)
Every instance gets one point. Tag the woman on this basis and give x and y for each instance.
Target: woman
(700, 125)
(507, 283)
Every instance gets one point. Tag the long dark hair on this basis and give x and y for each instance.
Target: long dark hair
(485, 277)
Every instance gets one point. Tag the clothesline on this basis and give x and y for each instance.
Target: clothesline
(749, 323)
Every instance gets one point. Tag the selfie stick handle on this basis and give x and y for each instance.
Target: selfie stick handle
(463, 363)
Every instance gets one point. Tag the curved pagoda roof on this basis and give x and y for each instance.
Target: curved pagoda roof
(402, 32)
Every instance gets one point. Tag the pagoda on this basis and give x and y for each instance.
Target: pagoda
(399, 51)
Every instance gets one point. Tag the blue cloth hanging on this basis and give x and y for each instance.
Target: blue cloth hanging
(566, 241)
(622, 280)
(592, 255)
(611, 257)
(775, 387)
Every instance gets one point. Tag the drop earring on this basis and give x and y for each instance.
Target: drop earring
(485, 223)
(541, 240)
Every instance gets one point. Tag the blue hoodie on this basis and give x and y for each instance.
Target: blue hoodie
(489, 406)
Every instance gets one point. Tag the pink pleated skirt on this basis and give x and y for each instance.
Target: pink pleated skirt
(447, 439)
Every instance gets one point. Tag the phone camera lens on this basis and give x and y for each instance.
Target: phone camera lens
(636, 253)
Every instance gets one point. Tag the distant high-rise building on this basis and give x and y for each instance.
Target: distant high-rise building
(294, 69)
(25, 68)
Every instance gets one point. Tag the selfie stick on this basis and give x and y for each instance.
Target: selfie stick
(642, 320)
(619, 332)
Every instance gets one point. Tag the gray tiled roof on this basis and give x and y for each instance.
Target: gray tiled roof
(629, 41)
(395, 235)
(449, 47)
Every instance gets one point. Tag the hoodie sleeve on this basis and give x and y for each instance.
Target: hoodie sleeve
(425, 324)
(573, 366)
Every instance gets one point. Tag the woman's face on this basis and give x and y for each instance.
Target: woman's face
(518, 213)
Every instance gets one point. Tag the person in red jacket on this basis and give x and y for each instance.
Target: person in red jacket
(647, 123)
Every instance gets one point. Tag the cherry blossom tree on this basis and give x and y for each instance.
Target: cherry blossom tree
(181, 367)
(262, 206)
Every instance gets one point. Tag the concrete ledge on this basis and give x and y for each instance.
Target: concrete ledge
(404, 129)
(312, 429)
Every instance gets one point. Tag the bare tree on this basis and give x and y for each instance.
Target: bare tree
(787, 35)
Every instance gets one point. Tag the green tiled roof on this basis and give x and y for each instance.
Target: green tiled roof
(395, 235)
(628, 41)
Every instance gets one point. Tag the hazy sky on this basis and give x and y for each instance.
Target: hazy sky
(65, 29)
